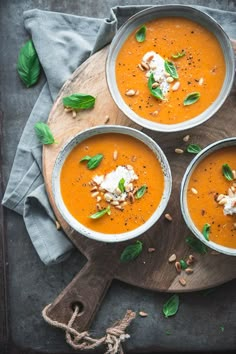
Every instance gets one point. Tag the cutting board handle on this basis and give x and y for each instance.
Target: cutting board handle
(86, 290)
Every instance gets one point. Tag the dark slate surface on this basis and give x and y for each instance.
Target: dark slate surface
(203, 323)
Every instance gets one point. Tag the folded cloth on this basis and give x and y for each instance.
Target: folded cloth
(62, 42)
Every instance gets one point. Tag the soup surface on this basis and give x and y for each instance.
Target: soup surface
(84, 194)
(208, 205)
(199, 64)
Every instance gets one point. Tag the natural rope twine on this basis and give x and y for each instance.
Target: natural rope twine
(113, 338)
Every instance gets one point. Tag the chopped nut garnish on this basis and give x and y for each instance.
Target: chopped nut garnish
(189, 270)
(74, 114)
(130, 93)
(186, 138)
(143, 314)
(172, 258)
(151, 249)
(168, 217)
(169, 80)
(194, 191)
(95, 194)
(107, 118)
(178, 267)
(182, 281)
(115, 155)
(145, 65)
(179, 151)
(58, 226)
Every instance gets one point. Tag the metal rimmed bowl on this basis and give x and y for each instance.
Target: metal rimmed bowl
(56, 188)
(170, 11)
(183, 196)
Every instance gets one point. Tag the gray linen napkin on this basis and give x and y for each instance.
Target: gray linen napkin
(62, 42)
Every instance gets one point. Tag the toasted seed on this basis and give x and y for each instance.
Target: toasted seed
(115, 155)
(194, 191)
(222, 201)
(95, 194)
(169, 79)
(186, 138)
(145, 65)
(133, 158)
(74, 114)
(155, 85)
(182, 281)
(129, 187)
(123, 204)
(107, 118)
(115, 202)
(234, 174)
(176, 86)
(130, 92)
(99, 198)
(233, 189)
(98, 206)
(137, 93)
(168, 217)
(178, 267)
(155, 113)
(143, 314)
(108, 197)
(230, 193)
(234, 225)
(131, 197)
(200, 82)
(58, 226)
(118, 191)
(220, 196)
(129, 167)
(67, 109)
(140, 67)
(166, 74)
(95, 188)
(150, 57)
(151, 249)
(192, 258)
(118, 207)
(172, 258)
(179, 151)
(189, 270)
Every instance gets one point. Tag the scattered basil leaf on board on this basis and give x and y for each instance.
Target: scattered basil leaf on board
(193, 148)
(191, 98)
(79, 101)
(85, 158)
(94, 161)
(206, 231)
(156, 92)
(183, 264)
(44, 133)
(171, 307)
(100, 213)
(140, 192)
(178, 55)
(28, 65)
(171, 69)
(227, 172)
(131, 252)
(196, 244)
(121, 185)
(140, 35)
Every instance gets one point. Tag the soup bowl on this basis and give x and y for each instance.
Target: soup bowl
(205, 188)
(89, 181)
(121, 86)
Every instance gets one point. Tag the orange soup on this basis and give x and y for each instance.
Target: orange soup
(211, 196)
(126, 186)
(198, 62)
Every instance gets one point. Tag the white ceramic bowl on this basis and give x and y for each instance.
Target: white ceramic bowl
(183, 196)
(75, 224)
(170, 11)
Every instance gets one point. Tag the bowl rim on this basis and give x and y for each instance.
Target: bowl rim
(103, 129)
(210, 110)
(217, 145)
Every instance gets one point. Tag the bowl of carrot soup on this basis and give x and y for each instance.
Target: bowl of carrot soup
(111, 183)
(208, 196)
(170, 68)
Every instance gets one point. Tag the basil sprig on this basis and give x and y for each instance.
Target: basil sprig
(79, 101)
(141, 191)
(206, 231)
(28, 65)
(171, 307)
(171, 69)
(193, 148)
(140, 35)
(196, 245)
(156, 92)
(131, 252)
(121, 185)
(100, 213)
(227, 172)
(191, 98)
(44, 133)
(93, 162)
(178, 55)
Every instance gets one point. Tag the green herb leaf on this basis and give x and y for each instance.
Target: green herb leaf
(100, 213)
(44, 133)
(156, 92)
(196, 245)
(121, 185)
(131, 252)
(183, 264)
(193, 148)
(94, 161)
(28, 65)
(206, 231)
(178, 55)
(140, 192)
(222, 328)
(227, 172)
(79, 101)
(168, 333)
(85, 158)
(171, 307)
(171, 69)
(191, 98)
(140, 35)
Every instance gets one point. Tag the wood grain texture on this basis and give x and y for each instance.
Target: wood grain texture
(149, 270)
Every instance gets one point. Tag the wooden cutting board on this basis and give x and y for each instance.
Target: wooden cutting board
(149, 270)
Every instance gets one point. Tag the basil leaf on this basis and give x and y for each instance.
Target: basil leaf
(28, 65)
(178, 55)
(140, 35)
(171, 69)
(191, 98)
(196, 245)
(193, 148)
(227, 172)
(121, 185)
(183, 264)
(171, 307)
(156, 92)
(100, 213)
(94, 161)
(206, 231)
(85, 158)
(131, 252)
(79, 101)
(44, 133)
(140, 192)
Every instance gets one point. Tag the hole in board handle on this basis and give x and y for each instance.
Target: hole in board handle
(79, 305)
